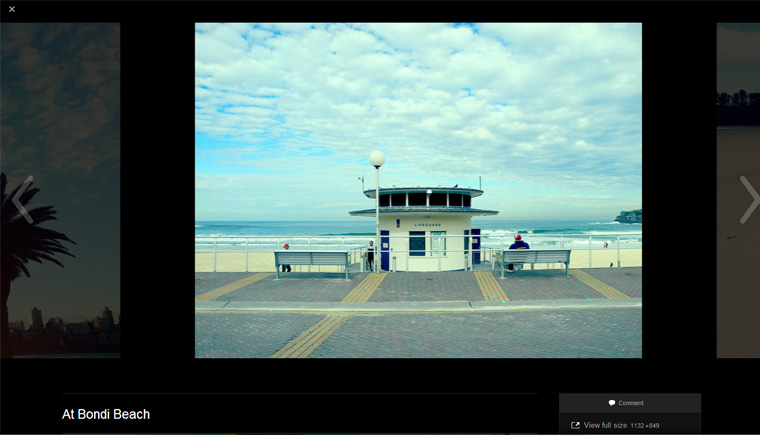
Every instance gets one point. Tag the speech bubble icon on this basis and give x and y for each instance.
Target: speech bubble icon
(612, 403)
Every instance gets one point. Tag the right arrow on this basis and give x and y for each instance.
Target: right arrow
(754, 204)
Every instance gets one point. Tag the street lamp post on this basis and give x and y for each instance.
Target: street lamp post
(377, 158)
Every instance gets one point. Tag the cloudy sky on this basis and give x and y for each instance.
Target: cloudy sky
(738, 57)
(287, 114)
(60, 124)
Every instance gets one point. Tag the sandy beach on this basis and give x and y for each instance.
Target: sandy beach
(738, 295)
(264, 261)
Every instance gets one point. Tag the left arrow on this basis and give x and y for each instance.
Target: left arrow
(18, 194)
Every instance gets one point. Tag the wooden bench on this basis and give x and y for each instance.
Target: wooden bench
(311, 258)
(535, 256)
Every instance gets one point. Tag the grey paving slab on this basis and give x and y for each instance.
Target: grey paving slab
(624, 279)
(207, 281)
(239, 335)
(543, 284)
(611, 333)
(428, 286)
(297, 287)
(424, 315)
(603, 333)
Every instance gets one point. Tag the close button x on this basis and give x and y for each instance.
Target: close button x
(11, 8)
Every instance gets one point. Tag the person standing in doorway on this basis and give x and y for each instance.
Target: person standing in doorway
(370, 254)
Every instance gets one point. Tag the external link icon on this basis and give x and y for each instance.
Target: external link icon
(18, 194)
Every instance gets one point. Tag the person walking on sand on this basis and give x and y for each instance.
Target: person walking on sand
(286, 265)
(370, 255)
(519, 244)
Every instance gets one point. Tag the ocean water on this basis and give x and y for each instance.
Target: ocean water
(270, 235)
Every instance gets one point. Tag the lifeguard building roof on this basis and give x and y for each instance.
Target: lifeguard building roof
(423, 189)
(425, 210)
(417, 200)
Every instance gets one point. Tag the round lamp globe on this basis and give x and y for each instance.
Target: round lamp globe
(377, 158)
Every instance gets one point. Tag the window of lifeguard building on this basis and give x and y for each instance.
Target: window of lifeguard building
(417, 243)
(398, 199)
(455, 199)
(438, 199)
(437, 243)
(417, 198)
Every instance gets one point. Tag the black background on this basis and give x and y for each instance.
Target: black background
(679, 294)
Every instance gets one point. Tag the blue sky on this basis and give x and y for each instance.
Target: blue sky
(287, 114)
(738, 57)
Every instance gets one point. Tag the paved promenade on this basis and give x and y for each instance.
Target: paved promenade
(592, 313)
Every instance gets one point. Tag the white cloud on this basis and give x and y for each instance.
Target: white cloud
(442, 102)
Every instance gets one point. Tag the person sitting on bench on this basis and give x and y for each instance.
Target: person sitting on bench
(286, 265)
(519, 244)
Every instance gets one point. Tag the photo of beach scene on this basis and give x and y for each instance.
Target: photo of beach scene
(346, 168)
(738, 184)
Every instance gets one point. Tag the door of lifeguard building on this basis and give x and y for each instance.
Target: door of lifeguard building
(384, 243)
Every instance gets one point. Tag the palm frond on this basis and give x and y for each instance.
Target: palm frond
(22, 242)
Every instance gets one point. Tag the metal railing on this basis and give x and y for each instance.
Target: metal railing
(271, 243)
(568, 239)
(490, 245)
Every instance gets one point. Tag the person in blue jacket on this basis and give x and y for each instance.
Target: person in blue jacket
(519, 244)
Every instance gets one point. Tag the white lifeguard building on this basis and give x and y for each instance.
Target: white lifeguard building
(427, 228)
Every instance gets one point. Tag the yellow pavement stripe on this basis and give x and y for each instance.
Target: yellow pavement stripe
(364, 290)
(490, 287)
(304, 344)
(597, 285)
(230, 287)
